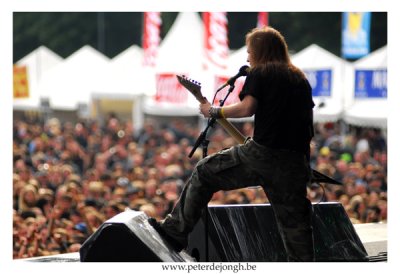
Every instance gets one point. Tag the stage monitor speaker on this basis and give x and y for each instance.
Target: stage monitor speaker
(128, 237)
(248, 233)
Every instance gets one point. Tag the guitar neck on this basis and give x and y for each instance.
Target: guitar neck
(194, 88)
(232, 130)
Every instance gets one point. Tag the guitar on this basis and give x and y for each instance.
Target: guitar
(195, 88)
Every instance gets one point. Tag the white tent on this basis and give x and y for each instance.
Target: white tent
(127, 75)
(180, 52)
(131, 57)
(38, 62)
(72, 82)
(369, 111)
(126, 83)
(326, 73)
(236, 60)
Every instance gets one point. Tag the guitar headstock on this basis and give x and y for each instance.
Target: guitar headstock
(193, 86)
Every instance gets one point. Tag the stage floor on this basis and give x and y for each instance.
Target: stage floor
(374, 238)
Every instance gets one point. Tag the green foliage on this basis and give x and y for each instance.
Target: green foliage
(113, 32)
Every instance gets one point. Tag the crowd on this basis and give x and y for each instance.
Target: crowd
(68, 178)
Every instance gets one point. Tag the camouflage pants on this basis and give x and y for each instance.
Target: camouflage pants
(283, 176)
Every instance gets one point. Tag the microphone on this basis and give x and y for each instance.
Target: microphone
(243, 71)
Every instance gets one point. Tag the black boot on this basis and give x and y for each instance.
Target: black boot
(175, 244)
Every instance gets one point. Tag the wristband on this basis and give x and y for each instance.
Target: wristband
(222, 112)
(215, 112)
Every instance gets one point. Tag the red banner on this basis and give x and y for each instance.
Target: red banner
(169, 90)
(216, 39)
(262, 19)
(151, 37)
(21, 86)
(233, 97)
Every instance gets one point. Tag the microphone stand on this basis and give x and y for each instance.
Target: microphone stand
(204, 143)
(202, 139)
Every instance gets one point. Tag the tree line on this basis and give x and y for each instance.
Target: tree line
(113, 32)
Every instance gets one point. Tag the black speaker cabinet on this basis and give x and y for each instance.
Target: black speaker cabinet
(248, 233)
(128, 237)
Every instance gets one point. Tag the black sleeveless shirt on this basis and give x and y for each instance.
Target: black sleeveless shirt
(284, 117)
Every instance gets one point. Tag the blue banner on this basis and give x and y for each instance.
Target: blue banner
(320, 82)
(355, 34)
(371, 84)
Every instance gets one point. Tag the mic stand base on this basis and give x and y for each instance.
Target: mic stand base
(202, 140)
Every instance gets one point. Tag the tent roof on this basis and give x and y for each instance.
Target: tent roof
(314, 57)
(131, 57)
(368, 112)
(41, 59)
(86, 54)
(181, 51)
(126, 75)
(71, 82)
(376, 59)
(38, 62)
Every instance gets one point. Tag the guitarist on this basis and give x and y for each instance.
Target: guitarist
(276, 157)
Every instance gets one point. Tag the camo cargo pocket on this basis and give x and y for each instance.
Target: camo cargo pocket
(223, 160)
